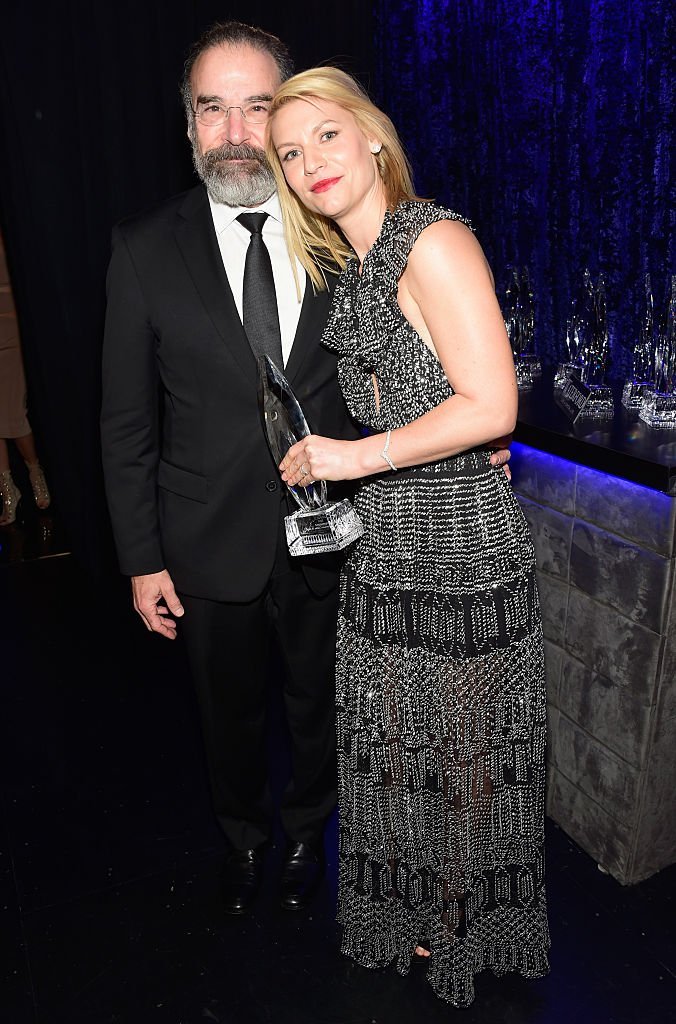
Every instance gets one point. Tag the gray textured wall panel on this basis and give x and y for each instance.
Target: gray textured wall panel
(588, 824)
(541, 480)
(656, 831)
(607, 708)
(553, 662)
(606, 561)
(620, 574)
(667, 682)
(551, 532)
(638, 513)
(611, 644)
(604, 777)
(554, 603)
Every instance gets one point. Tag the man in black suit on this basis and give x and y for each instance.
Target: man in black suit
(195, 496)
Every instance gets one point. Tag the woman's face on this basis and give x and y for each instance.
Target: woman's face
(326, 158)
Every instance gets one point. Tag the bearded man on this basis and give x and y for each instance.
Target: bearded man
(195, 497)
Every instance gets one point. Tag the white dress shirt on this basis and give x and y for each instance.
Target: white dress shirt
(233, 241)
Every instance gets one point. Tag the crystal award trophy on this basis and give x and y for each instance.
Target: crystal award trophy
(658, 407)
(317, 526)
(519, 317)
(640, 385)
(570, 366)
(585, 395)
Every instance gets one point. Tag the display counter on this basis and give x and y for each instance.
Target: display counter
(624, 446)
(601, 502)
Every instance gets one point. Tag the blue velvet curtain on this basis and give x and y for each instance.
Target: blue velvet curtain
(549, 124)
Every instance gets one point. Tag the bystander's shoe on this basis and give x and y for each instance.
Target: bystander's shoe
(240, 880)
(302, 872)
(10, 495)
(39, 486)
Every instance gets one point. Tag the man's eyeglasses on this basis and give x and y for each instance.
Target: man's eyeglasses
(212, 113)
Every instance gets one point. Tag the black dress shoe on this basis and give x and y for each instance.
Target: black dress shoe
(240, 880)
(302, 872)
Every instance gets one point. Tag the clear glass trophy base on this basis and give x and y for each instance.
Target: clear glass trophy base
(586, 401)
(659, 410)
(633, 393)
(330, 528)
(564, 371)
(533, 361)
(524, 374)
(318, 526)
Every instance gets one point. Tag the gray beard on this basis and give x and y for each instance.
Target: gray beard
(248, 184)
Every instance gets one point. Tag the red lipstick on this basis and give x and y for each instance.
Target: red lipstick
(324, 184)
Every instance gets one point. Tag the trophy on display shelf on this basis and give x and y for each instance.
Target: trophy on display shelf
(658, 407)
(317, 526)
(570, 367)
(519, 319)
(642, 379)
(584, 394)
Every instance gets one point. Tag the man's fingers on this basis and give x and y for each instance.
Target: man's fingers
(164, 612)
(154, 599)
(500, 457)
(158, 624)
(167, 631)
(171, 597)
(153, 616)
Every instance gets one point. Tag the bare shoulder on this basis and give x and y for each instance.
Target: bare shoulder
(445, 259)
(445, 242)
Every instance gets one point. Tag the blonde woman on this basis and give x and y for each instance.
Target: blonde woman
(440, 684)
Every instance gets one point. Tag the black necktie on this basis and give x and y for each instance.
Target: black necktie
(259, 300)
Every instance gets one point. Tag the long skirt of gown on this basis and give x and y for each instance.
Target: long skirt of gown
(441, 729)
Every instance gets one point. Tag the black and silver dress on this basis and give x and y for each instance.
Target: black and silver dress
(440, 679)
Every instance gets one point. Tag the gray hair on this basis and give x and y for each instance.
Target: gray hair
(234, 33)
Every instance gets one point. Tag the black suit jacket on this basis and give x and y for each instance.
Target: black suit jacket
(191, 484)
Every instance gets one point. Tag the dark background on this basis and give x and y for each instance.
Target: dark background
(549, 123)
(93, 130)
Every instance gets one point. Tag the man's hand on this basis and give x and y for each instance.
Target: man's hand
(154, 599)
(501, 454)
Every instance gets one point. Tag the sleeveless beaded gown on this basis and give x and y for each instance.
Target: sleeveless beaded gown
(440, 676)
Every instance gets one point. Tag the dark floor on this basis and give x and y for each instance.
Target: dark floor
(34, 534)
(109, 860)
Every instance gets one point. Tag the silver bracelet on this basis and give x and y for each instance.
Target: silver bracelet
(384, 454)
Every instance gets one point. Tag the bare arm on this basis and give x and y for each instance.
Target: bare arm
(447, 292)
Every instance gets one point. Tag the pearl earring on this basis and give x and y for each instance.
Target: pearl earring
(376, 147)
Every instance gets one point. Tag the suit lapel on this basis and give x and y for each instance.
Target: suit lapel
(311, 323)
(196, 239)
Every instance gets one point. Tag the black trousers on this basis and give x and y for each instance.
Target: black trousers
(228, 648)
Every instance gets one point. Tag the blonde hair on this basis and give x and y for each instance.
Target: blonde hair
(315, 239)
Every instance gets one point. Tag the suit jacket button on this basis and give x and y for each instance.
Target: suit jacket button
(271, 485)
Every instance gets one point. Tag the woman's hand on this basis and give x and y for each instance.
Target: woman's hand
(320, 458)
